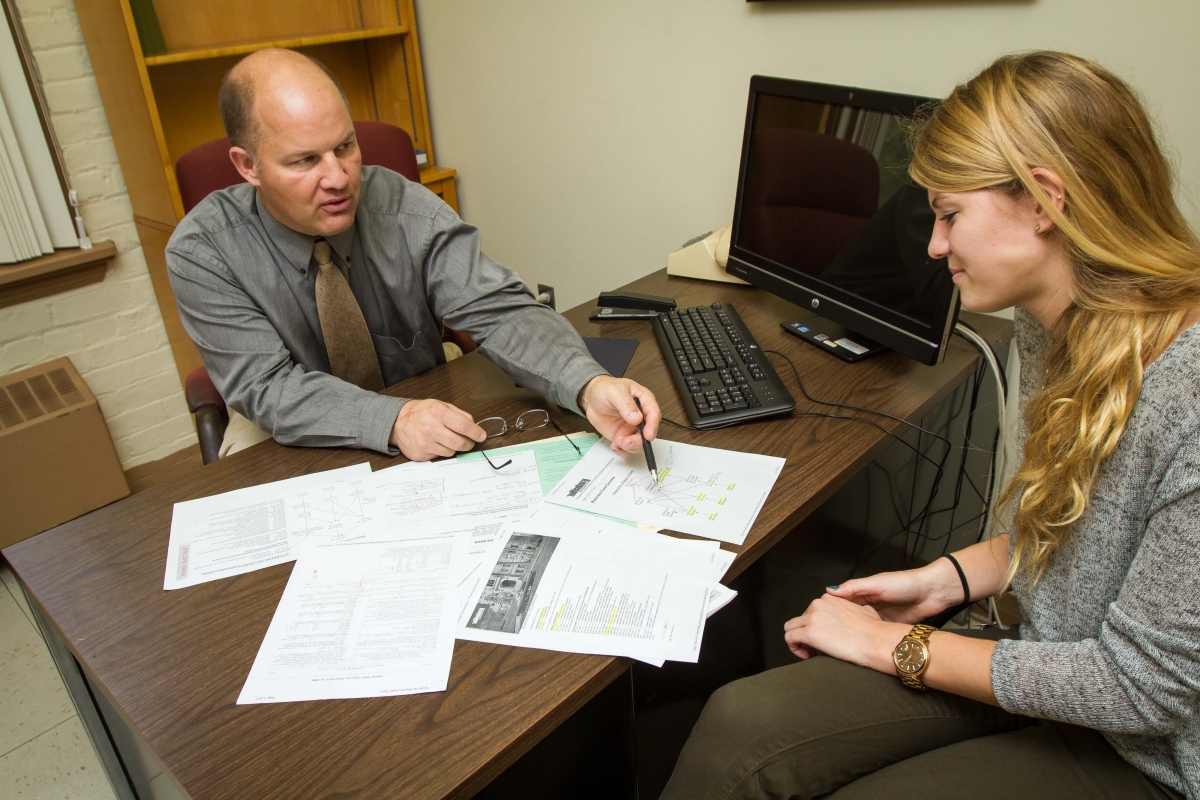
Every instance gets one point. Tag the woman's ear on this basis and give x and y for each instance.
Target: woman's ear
(1053, 194)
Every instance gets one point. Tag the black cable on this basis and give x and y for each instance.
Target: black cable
(921, 518)
(812, 399)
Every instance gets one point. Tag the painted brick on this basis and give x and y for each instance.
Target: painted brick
(112, 331)
(153, 442)
(72, 127)
(89, 153)
(27, 319)
(56, 28)
(22, 353)
(100, 215)
(141, 396)
(99, 184)
(77, 94)
(63, 63)
(123, 373)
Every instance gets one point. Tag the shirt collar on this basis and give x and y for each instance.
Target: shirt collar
(297, 247)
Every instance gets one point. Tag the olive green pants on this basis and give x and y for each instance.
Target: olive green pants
(825, 728)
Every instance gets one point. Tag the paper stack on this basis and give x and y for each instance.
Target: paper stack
(392, 566)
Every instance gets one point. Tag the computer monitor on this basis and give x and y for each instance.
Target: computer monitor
(827, 218)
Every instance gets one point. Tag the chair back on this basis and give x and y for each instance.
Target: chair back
(812, 194)
(207, 168)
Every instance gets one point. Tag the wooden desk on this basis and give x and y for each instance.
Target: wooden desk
(171, 664)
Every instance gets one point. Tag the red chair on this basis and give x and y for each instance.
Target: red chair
(206, 169)
(811, 195)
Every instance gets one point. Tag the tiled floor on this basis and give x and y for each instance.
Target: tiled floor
(45, 753)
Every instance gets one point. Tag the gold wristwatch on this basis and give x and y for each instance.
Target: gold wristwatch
(912, 656)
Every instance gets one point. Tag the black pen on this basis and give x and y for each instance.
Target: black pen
(646, 448)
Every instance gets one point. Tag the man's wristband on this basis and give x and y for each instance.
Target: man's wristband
(962, 576)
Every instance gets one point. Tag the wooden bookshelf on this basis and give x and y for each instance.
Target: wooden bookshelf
(159, 65)
(241, 48)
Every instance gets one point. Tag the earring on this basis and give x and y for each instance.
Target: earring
(1060, 197)
(1038, 228)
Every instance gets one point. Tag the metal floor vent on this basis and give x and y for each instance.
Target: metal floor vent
(37, 395)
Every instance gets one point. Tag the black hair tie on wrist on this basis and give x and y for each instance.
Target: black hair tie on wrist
(962, 576)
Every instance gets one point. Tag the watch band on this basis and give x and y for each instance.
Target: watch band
(919, 633)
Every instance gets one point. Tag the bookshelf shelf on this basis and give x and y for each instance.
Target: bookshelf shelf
(241, 48)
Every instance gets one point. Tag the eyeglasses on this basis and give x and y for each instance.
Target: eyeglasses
(535, 418)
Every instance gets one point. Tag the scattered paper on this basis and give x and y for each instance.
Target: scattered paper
(620, 592)
(720, 597)
(362, 619)
(413, 493)
(701, 490)
(555, 456)
(246, 529)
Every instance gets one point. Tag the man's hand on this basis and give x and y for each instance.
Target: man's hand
(608, 403)
(427, 429)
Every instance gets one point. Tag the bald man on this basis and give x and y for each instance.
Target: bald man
(320, 281)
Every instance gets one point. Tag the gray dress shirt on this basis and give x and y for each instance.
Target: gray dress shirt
(245, 288)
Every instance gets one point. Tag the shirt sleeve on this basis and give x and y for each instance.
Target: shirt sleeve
(489, 302)
(1141, 675)
(255, 374)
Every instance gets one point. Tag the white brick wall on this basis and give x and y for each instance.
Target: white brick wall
(112, 331)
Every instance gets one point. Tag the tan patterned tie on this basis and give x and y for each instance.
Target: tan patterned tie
(347, 341)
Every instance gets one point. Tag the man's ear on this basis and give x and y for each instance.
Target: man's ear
(1052, 193)
(244, 163)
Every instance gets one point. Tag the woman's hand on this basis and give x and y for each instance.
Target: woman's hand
(846, 630)
(908, 596)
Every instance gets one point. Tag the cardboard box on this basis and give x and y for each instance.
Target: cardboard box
(57, 460)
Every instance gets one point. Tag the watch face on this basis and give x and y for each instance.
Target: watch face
(910, 656)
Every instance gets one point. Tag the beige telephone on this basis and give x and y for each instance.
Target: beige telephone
(704, 259)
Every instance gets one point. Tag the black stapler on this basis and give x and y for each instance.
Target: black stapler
(649, 302)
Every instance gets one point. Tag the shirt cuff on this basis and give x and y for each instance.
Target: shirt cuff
(571, 381)
(1004, 675)
(378, 416)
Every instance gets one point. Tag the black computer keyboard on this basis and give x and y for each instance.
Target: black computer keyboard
(720, 373)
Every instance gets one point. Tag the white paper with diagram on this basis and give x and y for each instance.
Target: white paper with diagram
(414, 492)
(399, 498)
(248, 529)
(701, 490)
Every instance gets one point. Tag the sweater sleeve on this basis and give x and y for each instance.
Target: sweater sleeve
(1141, 675)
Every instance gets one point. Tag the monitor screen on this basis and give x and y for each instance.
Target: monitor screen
(825, 211)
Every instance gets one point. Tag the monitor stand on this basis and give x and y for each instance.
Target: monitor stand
(832, 338)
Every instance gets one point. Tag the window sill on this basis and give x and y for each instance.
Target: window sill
(59, 272)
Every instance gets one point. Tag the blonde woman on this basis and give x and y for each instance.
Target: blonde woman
(1053, 196)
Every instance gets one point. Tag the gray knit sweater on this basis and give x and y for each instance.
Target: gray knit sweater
(1111, 633)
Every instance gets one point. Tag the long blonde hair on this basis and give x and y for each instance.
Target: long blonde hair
(1136, 262)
